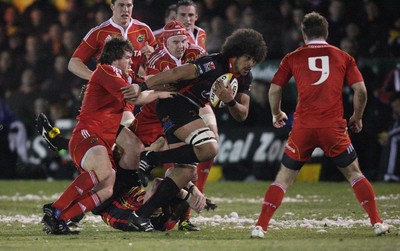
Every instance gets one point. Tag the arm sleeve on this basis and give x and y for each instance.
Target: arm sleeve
(284, 73)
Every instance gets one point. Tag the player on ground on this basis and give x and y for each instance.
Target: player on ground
(92, 139)
(181, 121)
(319, 70)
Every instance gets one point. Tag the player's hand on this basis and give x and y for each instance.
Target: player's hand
(225, 94)
(197, 200)
(278, 120)
(131, 92)
(355, 124)
(147, 50)
(164, 95)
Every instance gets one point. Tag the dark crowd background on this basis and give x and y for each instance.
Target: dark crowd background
(37, 41)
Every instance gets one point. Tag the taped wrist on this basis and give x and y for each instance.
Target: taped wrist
(143, 86)
(232, 103)
(189, 192)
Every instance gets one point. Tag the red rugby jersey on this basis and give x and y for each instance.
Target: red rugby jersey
(137, 33)
(319, 71)
(103, 103)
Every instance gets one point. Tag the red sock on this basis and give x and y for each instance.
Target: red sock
(203, 169)
(86, 203)
(366, 196)
(272, 200)
(81, 185)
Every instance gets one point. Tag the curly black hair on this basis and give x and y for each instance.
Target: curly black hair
(114, 49)
(245, 41)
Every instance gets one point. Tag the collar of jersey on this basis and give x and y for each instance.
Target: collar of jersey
(231, 68)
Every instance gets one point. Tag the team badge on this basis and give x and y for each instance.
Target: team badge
(93, 140)
(209, 66)
(140, 38)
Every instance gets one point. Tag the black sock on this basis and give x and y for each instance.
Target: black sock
(183, 154)
(166, 191)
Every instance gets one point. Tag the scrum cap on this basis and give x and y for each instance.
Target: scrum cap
(173, 29)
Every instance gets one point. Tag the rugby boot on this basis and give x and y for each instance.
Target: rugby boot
(186, 225)
(139, 223)
(48, 132)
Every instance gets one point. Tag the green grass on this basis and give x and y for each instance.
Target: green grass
(313, 201)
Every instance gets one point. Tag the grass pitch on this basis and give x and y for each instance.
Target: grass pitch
(313, 216)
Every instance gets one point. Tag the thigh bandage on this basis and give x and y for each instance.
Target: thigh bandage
(200, 136)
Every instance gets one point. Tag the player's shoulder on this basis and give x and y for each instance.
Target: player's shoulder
(138, 24)
(109, 70)
(103, 26)
(158, 32)
(200, 30)
(157, 55)
(195, 47)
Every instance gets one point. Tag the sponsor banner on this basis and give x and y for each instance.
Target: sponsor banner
(253, 145)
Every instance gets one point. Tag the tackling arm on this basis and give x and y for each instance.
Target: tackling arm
(77, 67)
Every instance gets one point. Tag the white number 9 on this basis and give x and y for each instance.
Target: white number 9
(312, 65)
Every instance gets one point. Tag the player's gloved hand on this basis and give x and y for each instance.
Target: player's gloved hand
(278, 120)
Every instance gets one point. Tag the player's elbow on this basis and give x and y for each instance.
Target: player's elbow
(71, 65)
(241, 117)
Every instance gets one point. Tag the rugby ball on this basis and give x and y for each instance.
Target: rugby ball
(227, 79)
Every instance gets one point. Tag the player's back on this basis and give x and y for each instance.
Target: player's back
(320, 71)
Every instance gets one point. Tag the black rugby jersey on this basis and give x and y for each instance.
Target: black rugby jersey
(210, 68)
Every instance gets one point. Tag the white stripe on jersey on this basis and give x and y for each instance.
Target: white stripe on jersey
(102, 25)
(85, 133)
(156, 57)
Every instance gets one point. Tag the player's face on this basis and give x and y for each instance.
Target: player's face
(124, 64)
(122, 12)
(243, 64)
(188, 16)
(177, 45)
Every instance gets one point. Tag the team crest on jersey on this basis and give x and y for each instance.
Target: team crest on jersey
(209, 66)
(205, 94)
(140, 38)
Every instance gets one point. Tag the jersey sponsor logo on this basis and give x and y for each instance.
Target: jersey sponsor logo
(209, 66)
(137, 53)
(140, 38)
